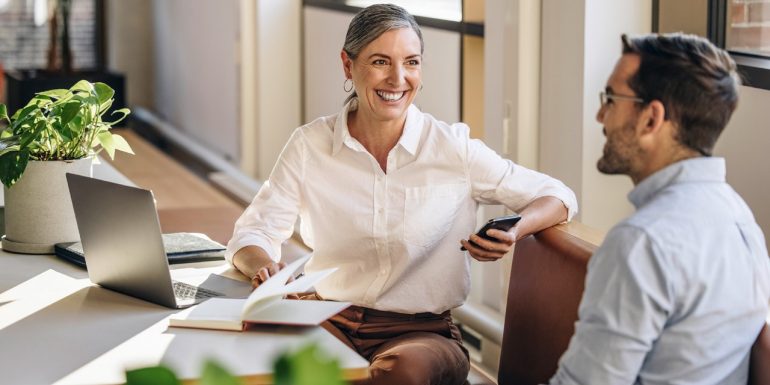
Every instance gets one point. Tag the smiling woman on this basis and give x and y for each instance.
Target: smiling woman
(386, 75)
(387, 194)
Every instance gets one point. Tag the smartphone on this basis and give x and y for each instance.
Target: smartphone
(503, 223)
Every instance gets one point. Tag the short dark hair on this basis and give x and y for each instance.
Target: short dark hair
(696, 82)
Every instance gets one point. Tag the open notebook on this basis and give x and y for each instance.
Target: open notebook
(265, 305)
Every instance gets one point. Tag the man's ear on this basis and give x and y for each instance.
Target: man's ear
(655, 115)
(651, 118)
(347, 62)
(651, 123)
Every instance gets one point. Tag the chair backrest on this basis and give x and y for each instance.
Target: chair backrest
(759, 370)
(546, 285)
(547, 280)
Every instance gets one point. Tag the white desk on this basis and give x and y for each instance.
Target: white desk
(56, 327)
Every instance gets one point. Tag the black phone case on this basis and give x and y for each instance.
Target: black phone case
(500, 223)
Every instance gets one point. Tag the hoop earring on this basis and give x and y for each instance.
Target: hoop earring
(345, 85)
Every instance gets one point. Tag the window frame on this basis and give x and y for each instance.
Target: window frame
(463, 27)
(754, 69)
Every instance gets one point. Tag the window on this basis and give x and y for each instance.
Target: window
(740, 26)
(437, 9)
(25, 35)
(747, 27)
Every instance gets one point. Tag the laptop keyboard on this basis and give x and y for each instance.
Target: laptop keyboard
(186, 291)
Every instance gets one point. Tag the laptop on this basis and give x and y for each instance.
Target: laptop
(122, 243)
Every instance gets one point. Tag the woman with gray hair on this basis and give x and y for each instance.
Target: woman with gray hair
(387, 194)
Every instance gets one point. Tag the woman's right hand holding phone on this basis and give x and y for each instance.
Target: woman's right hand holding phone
(486, 250)
(493, 240)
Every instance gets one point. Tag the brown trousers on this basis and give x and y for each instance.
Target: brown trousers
(404, 349)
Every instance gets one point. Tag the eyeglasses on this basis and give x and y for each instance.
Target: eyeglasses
(605, 97)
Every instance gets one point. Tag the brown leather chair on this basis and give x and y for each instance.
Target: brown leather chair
(759, 370)
(546, 285)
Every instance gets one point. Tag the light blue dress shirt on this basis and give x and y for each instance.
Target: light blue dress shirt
(677, 292)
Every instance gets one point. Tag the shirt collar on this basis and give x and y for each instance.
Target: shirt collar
(341, 132)
(410, 138)
(701, 169)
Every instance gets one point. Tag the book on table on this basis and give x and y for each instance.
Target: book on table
(180, 248)
(265, 305)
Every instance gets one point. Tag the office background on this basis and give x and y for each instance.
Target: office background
(236, 77)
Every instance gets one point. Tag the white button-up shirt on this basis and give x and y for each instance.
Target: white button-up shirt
(395, 236)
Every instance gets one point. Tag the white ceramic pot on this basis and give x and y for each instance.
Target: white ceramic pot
(38, 208)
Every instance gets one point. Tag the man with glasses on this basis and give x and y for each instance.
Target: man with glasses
(678, 291)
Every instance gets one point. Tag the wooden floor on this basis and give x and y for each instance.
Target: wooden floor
(185, 201)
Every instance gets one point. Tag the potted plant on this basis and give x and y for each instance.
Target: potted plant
(57, 132)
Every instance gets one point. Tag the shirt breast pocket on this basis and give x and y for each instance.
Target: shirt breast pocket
(430, 211)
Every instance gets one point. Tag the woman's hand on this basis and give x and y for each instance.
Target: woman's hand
(539, 214)
(266, 272)
(256, 264)
(487, 251)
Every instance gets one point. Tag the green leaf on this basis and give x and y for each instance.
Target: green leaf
(105, 106)
(23, 113)
(121, 144)
(69, 111)
(103, 92)
(215, 374)
(12, 165)
(156, 375)
(39, 101)
(9, 144)
(4, 113)
(32, 134)
(108, 144)
(83, 85)
(55, 94)
(307, 367)
(123, 111)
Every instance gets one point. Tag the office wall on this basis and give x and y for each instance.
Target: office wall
(324, 36)
(196, 70)
(580, 45)
(130, 51)
(512, 79)
(278, 81)
(744, 145)
(688, 16)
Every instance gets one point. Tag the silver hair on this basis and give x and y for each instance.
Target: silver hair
(371, 22)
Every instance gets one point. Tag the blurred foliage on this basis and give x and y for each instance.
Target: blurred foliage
(306, 366)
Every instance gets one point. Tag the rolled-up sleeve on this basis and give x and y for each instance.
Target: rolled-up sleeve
(269, 219)
(495, 180)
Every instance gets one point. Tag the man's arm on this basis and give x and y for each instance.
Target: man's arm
(624, 308)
